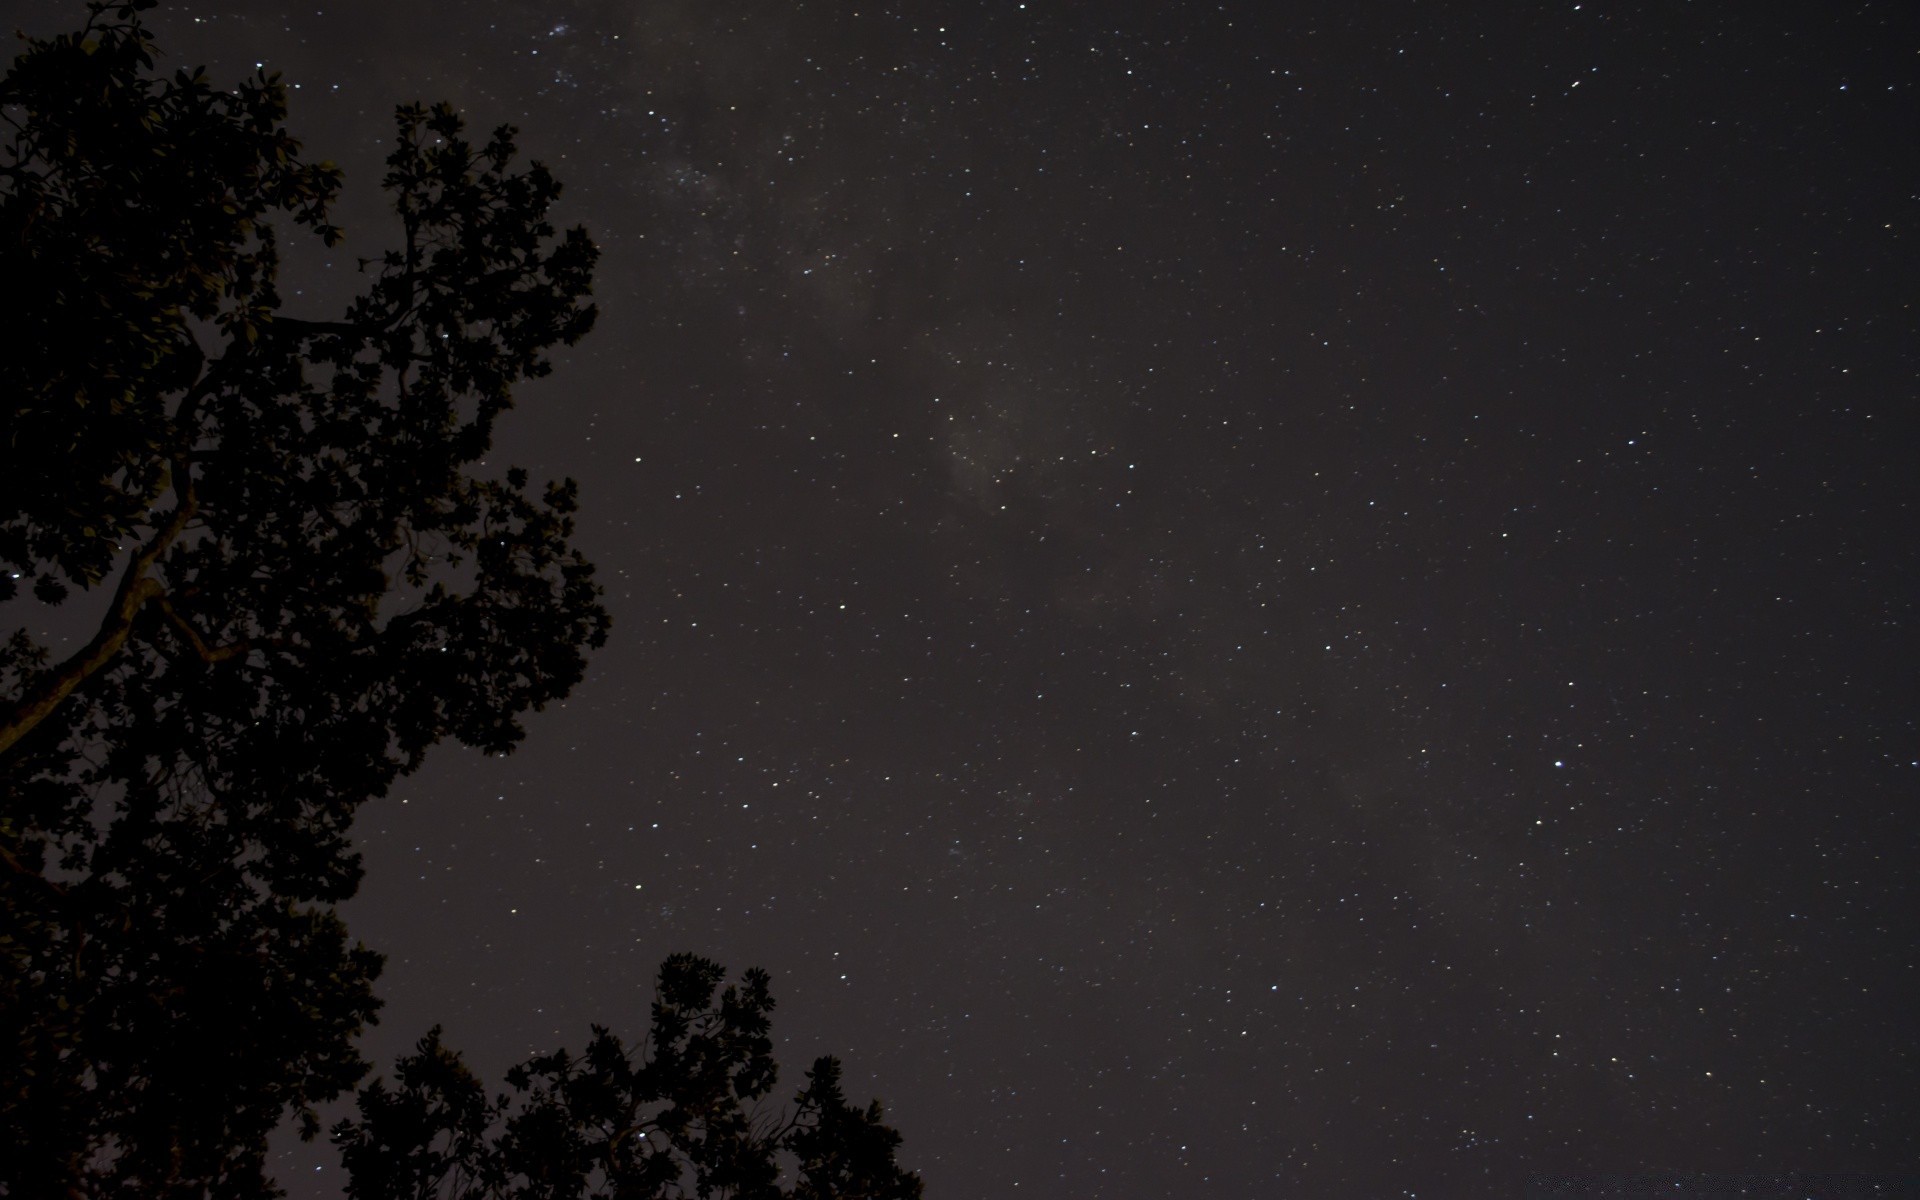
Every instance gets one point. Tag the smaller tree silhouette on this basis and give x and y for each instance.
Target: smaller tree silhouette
(683, 1116)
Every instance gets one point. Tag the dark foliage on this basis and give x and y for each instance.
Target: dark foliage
(686, 1117)
(303, 581)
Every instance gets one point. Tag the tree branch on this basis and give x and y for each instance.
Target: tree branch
(47, 693)
(19, 868)
(303, 329)
(136, 589)
(207, 654)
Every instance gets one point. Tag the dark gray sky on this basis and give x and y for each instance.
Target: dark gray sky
(1234, 604)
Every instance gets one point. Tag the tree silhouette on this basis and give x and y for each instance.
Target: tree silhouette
(306, 573)
(684, 1118)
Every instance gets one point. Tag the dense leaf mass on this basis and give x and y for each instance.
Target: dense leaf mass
(306, 570)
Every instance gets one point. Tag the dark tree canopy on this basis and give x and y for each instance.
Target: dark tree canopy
(683, 1116)
(305, 572)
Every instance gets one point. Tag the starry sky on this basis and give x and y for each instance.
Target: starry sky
(1237, 600)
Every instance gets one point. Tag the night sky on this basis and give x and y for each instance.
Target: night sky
(1237, 600)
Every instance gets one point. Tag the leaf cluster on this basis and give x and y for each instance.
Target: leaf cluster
(683, 1117)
